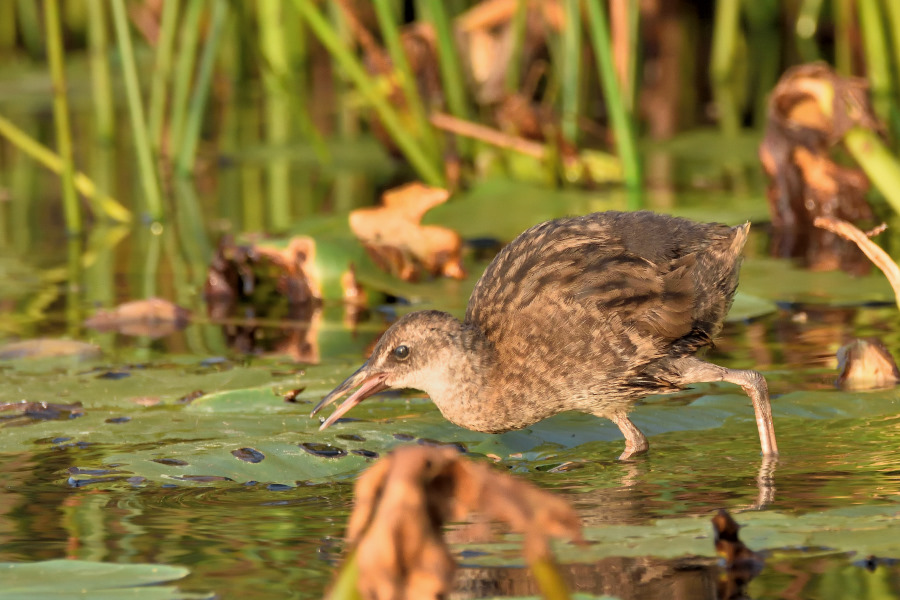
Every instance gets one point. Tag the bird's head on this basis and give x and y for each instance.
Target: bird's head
(419, 351)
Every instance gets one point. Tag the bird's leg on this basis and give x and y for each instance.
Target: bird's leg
(635, 441)
(693, 370)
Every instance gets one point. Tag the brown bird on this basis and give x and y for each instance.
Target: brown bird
(586, 313)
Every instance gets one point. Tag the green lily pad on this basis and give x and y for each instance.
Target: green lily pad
(60, 579)
(782, 281)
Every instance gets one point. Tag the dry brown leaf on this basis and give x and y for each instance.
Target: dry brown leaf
(48, 347)
(879, 257)
(399, 244)
(403, 500)
(236, 272)
(866, 365)
(486, 40)
(495, 13)
(810, 111)
(153, 317)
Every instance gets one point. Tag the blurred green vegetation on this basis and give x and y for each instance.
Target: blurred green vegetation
(196, 82)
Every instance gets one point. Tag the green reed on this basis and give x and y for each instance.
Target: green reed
(162, 71)
(190, 137)
(622, 127)
(71, 203)
(370, 89)
(152, 195)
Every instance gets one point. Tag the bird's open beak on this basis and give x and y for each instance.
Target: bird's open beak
(372, 383)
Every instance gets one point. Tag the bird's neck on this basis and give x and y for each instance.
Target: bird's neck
(465, 392)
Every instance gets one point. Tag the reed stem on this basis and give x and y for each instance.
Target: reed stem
(346, 584)
(153, 197)
(184, 71)
(519, 26)
(162, 71)
(621, 124)
(435, 11)
(877, 66)
(806, 28)
(892, 8)
(188, 148)
(390, 33)
(101, 81)
(549, 580)
(7, 25)
(45, 156)
(30, 27)
(276, 78)
(843, 45)
(71, 203)
(724, 44)
(571, 71)
(371, 91)
(878, 162)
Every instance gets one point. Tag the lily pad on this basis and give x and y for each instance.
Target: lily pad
(60, 579)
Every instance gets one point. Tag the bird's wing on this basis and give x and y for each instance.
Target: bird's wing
(596, 293)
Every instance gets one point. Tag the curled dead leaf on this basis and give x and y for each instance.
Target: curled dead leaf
(403, 500)
(399, 244)
(253, 273)
(153, 317)
(866, 365)
(810, 111)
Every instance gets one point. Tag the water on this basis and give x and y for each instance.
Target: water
(828, 528)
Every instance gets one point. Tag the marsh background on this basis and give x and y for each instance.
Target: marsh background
(136, 135)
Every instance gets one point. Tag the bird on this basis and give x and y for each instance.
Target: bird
(589, 313)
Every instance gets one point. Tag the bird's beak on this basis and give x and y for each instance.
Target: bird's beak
(372, 383)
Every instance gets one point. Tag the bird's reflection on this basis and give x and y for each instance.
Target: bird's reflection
(625, 577)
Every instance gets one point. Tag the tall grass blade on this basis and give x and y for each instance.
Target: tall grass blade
(346, 585)
(101, 81)
(878, 162)
(71, 203)
(519, 27)
(724, 47)
(370, 89)
(806, 28)
(188, 38)
(843, 43)
(276, 81)
(570, 66)
(435, 12)
(29, 17)
(7, 25)
(390, 33)
(598, 26)
(892, 9)
(162, 71)
(188, 149)
(549, 579)
(152, 195)
(878, 70)
(45, 156)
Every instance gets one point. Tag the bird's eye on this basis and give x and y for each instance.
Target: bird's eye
(401, 352)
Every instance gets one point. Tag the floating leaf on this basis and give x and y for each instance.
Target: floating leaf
(59, 579)
(399, 244)
(153, 317)
(403, 500)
